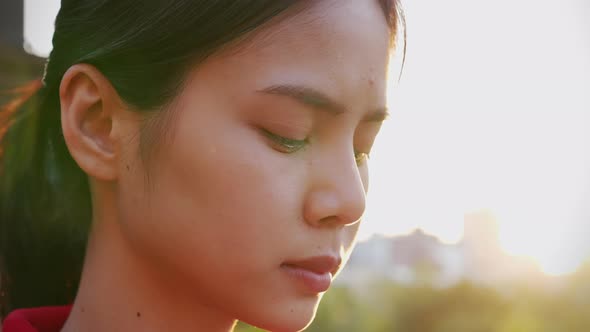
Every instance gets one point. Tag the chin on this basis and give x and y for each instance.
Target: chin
(292, 319)
(288, 325)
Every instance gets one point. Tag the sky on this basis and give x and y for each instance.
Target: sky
(492, 112)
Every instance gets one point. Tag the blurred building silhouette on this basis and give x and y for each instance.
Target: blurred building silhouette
(16, 66)
(419, 258)
(416, 258)
(485, 261)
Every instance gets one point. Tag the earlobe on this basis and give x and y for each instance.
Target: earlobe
(88, 107)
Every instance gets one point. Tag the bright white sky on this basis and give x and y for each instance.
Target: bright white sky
(493, 111)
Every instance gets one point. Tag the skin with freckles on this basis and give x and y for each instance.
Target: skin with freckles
(260, 160)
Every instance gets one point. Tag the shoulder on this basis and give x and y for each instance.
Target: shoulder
(43, 319)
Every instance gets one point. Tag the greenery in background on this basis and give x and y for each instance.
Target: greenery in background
(465, 307)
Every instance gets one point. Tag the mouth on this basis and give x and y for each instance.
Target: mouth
(314, 274)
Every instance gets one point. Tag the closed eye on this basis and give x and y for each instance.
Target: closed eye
(284, 144)
(290, 145)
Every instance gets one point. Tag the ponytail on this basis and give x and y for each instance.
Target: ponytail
(44, 203)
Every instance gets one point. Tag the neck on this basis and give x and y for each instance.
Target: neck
(121, 291)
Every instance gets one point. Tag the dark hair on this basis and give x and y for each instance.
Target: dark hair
(144, 48)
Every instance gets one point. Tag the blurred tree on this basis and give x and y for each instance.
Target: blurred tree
(389, 307)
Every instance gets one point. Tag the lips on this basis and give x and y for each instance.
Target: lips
(314, 274)
(317, 264)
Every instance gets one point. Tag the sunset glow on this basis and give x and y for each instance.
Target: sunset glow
(478, 125)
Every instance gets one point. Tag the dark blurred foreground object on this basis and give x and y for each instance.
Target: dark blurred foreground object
(16, 66)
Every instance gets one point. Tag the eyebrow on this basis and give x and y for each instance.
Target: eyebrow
(318, 100)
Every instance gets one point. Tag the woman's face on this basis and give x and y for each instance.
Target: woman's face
(258, 185)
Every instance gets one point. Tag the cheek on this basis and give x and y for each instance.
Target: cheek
(350, 232)
(349, 239)
(364, 173)
(216, 187)
(227, 182)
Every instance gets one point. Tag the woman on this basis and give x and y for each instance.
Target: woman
(208, 159)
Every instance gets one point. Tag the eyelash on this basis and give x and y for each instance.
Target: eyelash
(361, 157)
(289, 145)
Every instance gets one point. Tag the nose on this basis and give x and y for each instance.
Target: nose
(336, 196)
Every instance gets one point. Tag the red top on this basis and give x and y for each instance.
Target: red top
(45, 319)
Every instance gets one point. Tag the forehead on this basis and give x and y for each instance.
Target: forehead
(340, 45)
(326, 21)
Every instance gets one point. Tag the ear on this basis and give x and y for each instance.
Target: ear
(89, 105)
